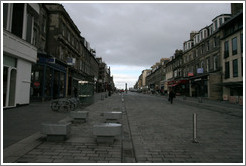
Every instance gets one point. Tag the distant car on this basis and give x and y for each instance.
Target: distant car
(122, 90)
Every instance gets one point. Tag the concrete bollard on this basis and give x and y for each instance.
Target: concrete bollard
(194, 128)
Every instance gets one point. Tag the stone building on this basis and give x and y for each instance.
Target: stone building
(175, 78)
(20, 24)
(232, 58)
(64, 56)
(201, 58)
(105, 80)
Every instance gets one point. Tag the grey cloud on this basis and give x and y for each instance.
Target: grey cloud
(140, 34)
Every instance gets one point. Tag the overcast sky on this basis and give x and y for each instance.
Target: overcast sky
(131, 37)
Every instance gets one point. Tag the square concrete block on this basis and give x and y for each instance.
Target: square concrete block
(56, 129)
(79, 114)
(107, 129)
(112, 115)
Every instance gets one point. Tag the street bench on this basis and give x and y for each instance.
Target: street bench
(56, 131)
(112, 116)
(106, 132)
(79, 116)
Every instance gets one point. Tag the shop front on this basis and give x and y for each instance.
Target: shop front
(180, 87)
(199, 87)
(48, 79)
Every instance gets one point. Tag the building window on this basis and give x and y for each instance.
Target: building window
(29, 28)
(17, 19)
(215, 42)
(5, 15)
(207, 45)
(234, 46)
(241, 41)
(208, 64)
(215, 25)
(226, 49)
(44, 25)
(227, 70)
(235, 68)
(220, 20)
(216, 62)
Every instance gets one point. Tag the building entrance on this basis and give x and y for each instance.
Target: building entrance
(9, 83)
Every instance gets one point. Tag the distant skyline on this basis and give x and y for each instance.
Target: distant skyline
(131, 37)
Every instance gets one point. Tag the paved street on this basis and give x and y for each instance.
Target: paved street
(162, 132)
(153, 131)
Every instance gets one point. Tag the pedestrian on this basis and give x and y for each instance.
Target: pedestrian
(75, 91)
(171, 96)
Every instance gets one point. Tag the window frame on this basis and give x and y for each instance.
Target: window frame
(226, 49)
(227, 70)
(235, 68)
(234, 45)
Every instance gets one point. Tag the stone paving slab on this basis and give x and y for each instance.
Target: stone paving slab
(154, 131)
(81, 147)
(163, 132)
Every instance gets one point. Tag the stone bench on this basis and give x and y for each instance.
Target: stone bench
(112, 116)
(106, 132)
(56, 131)
(79, 116)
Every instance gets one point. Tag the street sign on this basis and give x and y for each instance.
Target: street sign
(200, 70)
(71, 61)
(51, 60)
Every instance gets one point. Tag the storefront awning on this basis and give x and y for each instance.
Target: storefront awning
(177, 82)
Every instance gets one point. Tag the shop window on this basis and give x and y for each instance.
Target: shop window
(235, 68)
(226, 49)
(37, 80)
(227, 70)
(234, 46)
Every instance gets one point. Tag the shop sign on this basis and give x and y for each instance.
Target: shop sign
(36, 84)
(199, 79)
(71, 61)
(51, 60)
(190, 74)
(200, 70)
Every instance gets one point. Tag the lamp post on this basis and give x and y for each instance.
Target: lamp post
(126, 87)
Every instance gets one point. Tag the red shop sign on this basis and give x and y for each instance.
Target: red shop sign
(37, 84)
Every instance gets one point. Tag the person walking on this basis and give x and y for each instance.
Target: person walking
(171, 96)
(75, 91)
